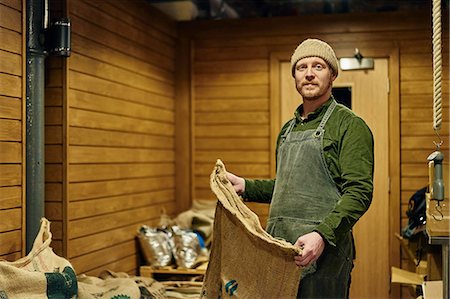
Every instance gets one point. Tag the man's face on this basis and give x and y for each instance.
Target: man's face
(313, 78)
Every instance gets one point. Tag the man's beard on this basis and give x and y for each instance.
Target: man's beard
(315, 94)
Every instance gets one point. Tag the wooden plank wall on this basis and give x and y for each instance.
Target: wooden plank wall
(230, 97)
(12, 178)
(54, 151)
(113, 159)
(54, 141)
(231, 114)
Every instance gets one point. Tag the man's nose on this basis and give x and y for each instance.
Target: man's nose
(309, 75)
(309, 72)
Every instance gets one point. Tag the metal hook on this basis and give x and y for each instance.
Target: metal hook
(438, 208)
(438, 145)
(358, 55)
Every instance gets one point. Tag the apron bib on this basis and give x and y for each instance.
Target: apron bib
(304, 195)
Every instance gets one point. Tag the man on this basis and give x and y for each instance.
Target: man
(324, 179)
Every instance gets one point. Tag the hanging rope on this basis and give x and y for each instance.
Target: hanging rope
(437, 67)
(437, 157)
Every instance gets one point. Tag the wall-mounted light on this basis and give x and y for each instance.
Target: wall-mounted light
(57, 38)
(357, 62)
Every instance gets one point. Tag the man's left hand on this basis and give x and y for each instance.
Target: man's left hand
(312, 246)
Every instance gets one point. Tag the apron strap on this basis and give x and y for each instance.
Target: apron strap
(288, 130)
(319, 131)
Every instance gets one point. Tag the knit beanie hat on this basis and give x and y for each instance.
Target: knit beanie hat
(315, 48)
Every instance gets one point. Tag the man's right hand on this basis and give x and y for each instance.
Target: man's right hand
(237, 182)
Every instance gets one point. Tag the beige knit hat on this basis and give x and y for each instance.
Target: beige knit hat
(315, 48)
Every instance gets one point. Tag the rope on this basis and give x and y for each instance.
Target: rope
(437, 85)
(437, 67)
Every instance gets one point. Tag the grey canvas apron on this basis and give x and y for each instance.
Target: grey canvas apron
(304, 195)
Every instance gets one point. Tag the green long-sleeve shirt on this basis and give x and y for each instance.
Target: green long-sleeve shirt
(348, 151)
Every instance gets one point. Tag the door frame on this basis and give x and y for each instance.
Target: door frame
(392, 55)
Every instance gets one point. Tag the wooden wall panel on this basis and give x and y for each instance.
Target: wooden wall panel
(231, 111)
(55, 164)
(120, 135)
(12, 182)
(230, 96)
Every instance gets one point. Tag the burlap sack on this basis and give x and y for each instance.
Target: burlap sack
(245, 260)
(200, 217)
(111, 284)
(95, 288)
(40, 274)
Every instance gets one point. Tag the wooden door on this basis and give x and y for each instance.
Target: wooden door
(369, 99)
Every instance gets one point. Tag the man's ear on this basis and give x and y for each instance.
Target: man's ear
(333, 76)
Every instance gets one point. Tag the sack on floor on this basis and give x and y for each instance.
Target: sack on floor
(40, 274)
(245, 260)
(111, 284)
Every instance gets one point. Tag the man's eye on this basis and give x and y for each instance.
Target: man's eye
(318, 67)
(301, 67)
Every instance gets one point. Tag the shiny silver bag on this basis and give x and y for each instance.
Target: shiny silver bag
(155, 244)
(185, 247)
